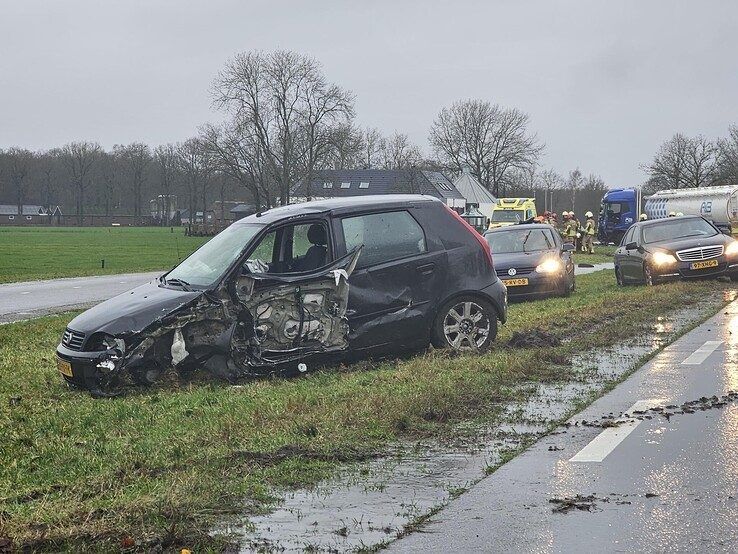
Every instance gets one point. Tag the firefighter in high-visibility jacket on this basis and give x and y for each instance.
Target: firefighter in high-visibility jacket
(589, 233)
(570, 229)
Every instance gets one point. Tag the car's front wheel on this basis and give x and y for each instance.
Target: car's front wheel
(619, 277)
(648, 277)
(465, 324)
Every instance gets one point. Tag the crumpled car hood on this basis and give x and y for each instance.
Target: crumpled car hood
(132, 311)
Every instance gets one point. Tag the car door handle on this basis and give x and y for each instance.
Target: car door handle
(426, 269)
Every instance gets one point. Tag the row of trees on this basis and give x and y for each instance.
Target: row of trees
(282, 121)
(689, 162)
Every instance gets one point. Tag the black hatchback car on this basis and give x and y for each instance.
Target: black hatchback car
(290, 286)
(682, 247)
(532, 260)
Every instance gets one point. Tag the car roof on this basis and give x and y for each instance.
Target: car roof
(649, 222)
(338, 206)
(520, 226)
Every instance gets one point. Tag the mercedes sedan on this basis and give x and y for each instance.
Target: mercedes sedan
(532, 261)
(682, 247)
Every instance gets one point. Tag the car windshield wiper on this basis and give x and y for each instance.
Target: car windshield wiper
(179, 283)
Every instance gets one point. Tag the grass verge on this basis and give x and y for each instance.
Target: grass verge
(160, 467)
(28, 253)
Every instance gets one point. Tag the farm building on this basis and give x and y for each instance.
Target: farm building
(337, 183)
(31, 214)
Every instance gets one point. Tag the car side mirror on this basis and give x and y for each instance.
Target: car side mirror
(631, 246)
(728, 232)
(568, 247)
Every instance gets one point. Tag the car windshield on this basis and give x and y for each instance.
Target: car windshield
(209, 262)
(518, 240)
(677, 229)
(508, 216)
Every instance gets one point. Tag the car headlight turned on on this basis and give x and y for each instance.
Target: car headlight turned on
(661, 259)
(732, 249)
(551, 265)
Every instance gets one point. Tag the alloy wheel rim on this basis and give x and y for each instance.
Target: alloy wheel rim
(466, 326)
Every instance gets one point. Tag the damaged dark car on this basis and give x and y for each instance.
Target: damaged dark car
(294, 287)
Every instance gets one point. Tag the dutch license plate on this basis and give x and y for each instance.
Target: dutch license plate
(515, 282)
(703, 265)
(64, 367)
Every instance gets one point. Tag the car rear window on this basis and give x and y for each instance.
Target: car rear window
(386, 236)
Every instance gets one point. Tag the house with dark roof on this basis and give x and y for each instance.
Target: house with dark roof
(339, 183)
(242, 210)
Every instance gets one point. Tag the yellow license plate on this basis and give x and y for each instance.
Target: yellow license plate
(703, 265)
(64, 367)
(515, 282)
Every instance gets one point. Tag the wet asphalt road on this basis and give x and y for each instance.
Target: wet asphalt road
(663, 485)
(36, 298)
(30, 299)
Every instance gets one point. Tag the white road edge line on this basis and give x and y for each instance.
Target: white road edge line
(603, 444)
(701, 354)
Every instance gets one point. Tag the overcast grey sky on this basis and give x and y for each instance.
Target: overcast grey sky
(604, 82)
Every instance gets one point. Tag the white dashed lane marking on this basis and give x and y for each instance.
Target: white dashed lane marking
(701, 354)
(604, 443)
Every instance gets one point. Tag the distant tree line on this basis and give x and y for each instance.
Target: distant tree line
(690, 162)
(283, 120)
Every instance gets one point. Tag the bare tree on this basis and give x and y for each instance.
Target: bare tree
(19, 161)
(574, 183)
(727, 157)
(488, 139)
(237, 153)
(285, 102)
(135, 158)
(346, 148)
(682, 162)
(374, 145)
(550, 181)
(165, 157)
(79, 158)
(399, 153)
(194, 163)
(700, 166)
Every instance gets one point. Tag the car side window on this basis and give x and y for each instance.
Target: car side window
(291, 249)
(262, 258)
(385, 236)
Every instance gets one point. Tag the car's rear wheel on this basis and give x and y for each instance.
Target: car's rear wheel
(465, 324)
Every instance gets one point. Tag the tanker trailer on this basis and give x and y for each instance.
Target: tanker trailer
(716, 204)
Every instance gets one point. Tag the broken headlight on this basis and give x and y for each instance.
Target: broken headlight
(102, 342)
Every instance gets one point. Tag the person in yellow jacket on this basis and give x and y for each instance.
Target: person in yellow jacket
(589, 233)
(570, 228)
(577, 231)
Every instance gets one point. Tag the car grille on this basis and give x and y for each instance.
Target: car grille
(518, 271)
(701, 253)
(73, 339)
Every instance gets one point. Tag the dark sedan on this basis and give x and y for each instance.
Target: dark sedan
(684, 247)
(531, 260)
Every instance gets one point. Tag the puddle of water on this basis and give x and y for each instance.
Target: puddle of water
(370, 503)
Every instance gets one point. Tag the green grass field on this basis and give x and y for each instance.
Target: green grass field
(45, 253)
(158, 467)
(27, 254)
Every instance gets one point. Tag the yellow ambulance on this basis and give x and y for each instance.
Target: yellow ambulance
(510, 211)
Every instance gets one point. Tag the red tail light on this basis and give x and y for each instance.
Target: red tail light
(479, 238)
